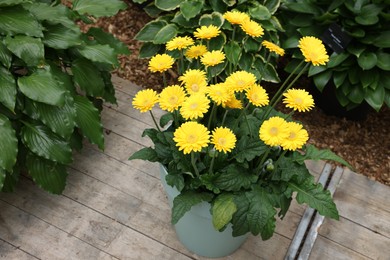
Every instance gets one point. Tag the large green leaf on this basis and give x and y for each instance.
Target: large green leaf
(48, 175)
(10, 180)
(383, 61)
(167, 5)
(5, 56)
(28, 48)
(61, 37)
(247, 149)
(191, 8)
(149, 31)
(149, 49)
(88, 77)
(240, 220)
(8, 89)
(3, 175)
(99, 53)
(98, 8)
(40, 140)
(41, 86)
(16, 20)
(106, 38)
(184, 202)
(375, 97)
(61, 120)
(54, 14)
(234, 179)
(146, 153)
(8, 144)
(367, 60)
(88, 120)
(214, 18)
(222, 210)
(13, 2)
(233, 52)
(383, 40)
(320, 80)
(165, 34)
(259, 12)
(316, 197)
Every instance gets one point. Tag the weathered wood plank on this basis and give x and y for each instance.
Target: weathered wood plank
(8, 251)
(40, 239)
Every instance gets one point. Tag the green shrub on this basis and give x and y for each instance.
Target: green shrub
(51, 77)
(177, 17)
(360, 72)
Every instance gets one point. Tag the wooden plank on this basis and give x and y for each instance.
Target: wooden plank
(8, 251)
(327, 249)
(364, 202)
(40, 239)
(124, 85)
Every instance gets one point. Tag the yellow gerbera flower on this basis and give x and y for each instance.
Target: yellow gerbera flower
(274, 131)
(195, 81)
(172, 97)
(298, 99)
(212, 58)
(179, 43)
(145, 99)
(257, 95)
(191, 137)
(240, 80)
(273, 47)
(195, 106)
(297, 137)
(161, 63)
(196, 51)
(233, 103)
(207, 32)
(223, 139)
(219, 93)
(313, 50)
(252, 28)
(236, 17)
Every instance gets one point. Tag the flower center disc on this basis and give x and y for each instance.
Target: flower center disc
(195, 87)
(194, 106)
(273, 131)
(191, 138)
(298, 100)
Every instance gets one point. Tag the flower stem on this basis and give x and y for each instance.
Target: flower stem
(193, 162)
(263, 160)
(213, 110)
(154, 120)
(212, 162)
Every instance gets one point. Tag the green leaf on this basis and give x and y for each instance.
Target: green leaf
(184, 202)
(3, 175)
(234, 179)
(29, 49)
(260, 210)
(8, 144)
(233, 52)
(214, 18)
(316, 197)
(55, 14)
(106, 38)
(42, 87)
(88, 77)
(314, 70)
(8, 89)
(240, 220)
(320, 80)
(5, 56)
(191, 8)
(247, 149)
(268, 230)
(383, 61)
(146, 153)
(375, 98)
(230, 2)
(337, 59)
(217, 43)
(259, 12)
(61, 37)
(40, 140)
(149, 49)
(60, 120)
(167, 5)
(13, 2)
(288, 169)
(10, 180)
(382, 41)
(175, 180)
(16, 20)
(165, 34)
(165, 119)
(99, 53)
(98, 8)
(218, 6)
(149, 31)
(339, 78)
(88, 120)
(48, 175)
(222, 210)
(367, 60)
(246, 61)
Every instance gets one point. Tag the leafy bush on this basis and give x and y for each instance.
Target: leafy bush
(52, 76)
(182, 17)
(360, 72)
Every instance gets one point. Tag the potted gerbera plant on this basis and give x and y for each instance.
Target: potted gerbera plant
(225, 151)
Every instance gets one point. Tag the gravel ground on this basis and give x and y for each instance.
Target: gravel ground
(364, 144)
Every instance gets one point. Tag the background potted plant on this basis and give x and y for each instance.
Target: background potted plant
(53, 79)
(224, 148)
(358, 33)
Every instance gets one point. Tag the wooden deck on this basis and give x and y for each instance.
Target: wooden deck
(113, 208)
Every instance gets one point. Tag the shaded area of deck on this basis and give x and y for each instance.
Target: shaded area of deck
(113, 208)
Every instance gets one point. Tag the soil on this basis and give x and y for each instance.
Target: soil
(364, 143)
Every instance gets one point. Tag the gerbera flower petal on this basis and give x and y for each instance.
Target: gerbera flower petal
(196, 51)
(236, 17)
(195, 106)
(223, 139)
(171, 98)
(145, 99)
(273, 47)
(207, 32)
(297, 137)
(191, 137)
(313, 50)
(212, 58)
(257, 95)
(179, 42)
(252, 28)
(298, 99)
(219, 93)
(240, 80)
(274, 131)
(195, 81)
(161, 63)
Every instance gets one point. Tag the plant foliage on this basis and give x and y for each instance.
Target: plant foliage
(51, 77)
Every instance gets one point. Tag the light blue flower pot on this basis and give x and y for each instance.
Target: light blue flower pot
(196, 231)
